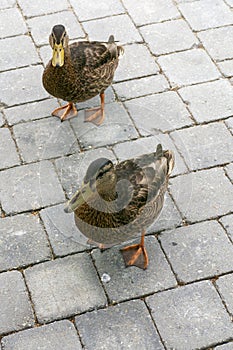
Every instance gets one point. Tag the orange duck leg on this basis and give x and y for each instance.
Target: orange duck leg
(136, 254)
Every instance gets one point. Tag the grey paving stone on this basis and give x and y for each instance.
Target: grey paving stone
(202, 195)
(229, 2)
(217, 42)
(22, 242)
(193, 66)
(2, 121)
(44, 139)
(41, 26)
(27, 187)
(7, 3)
(227, 222)
(131, 149)
(64, 236)
(127, 283)
(72, 169)
(228, 346)
(224, 284)
(117, 127)
(11, 23)
(119, 327)
(64, 287)
(193, 251)
(153, 11)
(229, 124)
(138, 54)
(22, 85)
(8, 153)
(34, 8)
(206, 14)
(141, 87)
(229, 170)
(204, 146)
(161, 112)
(209, 101)
(16, 312)
(226, 68)
(190, 317)
(96, 9)
(17, 52)
(120, 26)
(58, 335)
(169, 37)
(30, 111)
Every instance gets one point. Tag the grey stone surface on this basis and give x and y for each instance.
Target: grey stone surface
(7, 147)
(17, 52)
(22, 242)
(227, 222)
(226, 68)
(193, 251)
(138, 55)
(217, 42)
(193, 66)
(58, 335)
(202, 195)
(153, 11)
(41, 26)
(2, 121)
(224, 285)
(229, 2)
(44, 139)
(34, 8)
(190, 317)
(30, 111)
(16, 312)
(204, 146)
(160, 112)
(7, 3)
(64, 236)
(116, 127)
(206, 14)
(11, 23)
(209, 101)
(141, 87)
(22, 85)
(120, 26)
(229, 124)
(124, 326)
(170, 36)
(131, 149)
(228, 346)
(96, 9)
(64, 287)
(27, 187)
(72, 169)
(229, 170)
(131, 282)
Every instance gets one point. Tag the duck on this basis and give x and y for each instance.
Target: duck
(80, 71)
(117, 201)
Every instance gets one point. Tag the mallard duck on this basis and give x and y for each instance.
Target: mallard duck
(115, 202)
(80, 71)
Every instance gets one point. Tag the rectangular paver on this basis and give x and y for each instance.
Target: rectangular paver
(64, 287)
(191, 317)
(8, 153)
(193, 251)
(44, 139)
(27, 187)
(203, 195)
(12, 23)
(160, 112)
(227, 222)
(34, 8)
(22, 241)
(224, 285)
(209, 101)
(226, 67)
(192, 66)
(126, 326)
(16, 312)
(204, 146)
(131, 282)
(58, 335)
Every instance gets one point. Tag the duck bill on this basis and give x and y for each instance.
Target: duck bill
(79, 198)
(58, 55)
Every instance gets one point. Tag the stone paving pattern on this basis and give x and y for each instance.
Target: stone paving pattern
(174, 86)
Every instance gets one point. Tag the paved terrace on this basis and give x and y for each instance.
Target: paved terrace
(174, 85)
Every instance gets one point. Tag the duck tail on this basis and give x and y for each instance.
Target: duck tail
(116, 51)
(169, 155)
